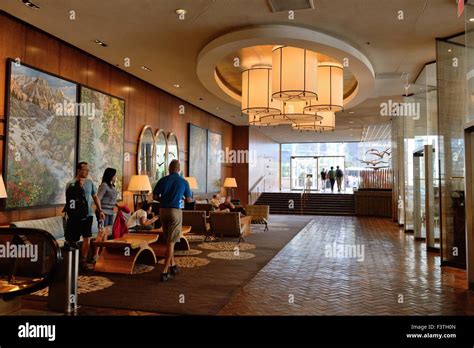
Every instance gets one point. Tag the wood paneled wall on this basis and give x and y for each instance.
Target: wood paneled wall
(145, 104)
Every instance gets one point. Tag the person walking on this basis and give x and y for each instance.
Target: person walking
(80, 193)
(323, 179)
(169, 191)
(332, 178)
(339, 176)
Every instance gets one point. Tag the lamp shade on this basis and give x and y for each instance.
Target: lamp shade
(295, 73)
(324, 121)
(257, 93)
(139, 183)
(3, 192)
(230, 182)
(193, 185)
(330, 88)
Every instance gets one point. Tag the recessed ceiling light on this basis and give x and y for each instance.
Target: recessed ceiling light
(351, 121)
(30, 4)
(352, 112)
(100, 43)
(218, 108)
(146, 68)
(471, 19)
(450, 50)
(181, 11)
(176, 85)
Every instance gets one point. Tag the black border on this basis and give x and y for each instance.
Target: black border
(190, 159)
(11, 61)
(78, 128)
(207, 167)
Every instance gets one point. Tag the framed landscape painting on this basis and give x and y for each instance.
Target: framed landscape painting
(101, 134)
(40, 151)
(214, 148)
(198, 156)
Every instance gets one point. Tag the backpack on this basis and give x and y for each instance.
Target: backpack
(339, 173)
(76, 206)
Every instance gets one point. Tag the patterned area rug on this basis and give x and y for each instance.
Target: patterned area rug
(140, 269)
(86, 284)
(189, 261)
(230, 255)
(187, 252)
(226, 246)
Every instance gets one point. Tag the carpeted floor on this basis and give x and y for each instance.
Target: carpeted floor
(203, 287)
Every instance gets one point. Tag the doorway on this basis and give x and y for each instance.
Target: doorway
(426, 224)
(305, 172)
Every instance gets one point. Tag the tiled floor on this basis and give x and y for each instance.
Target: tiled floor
(396, 276)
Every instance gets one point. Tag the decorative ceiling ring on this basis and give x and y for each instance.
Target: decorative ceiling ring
(216, 50)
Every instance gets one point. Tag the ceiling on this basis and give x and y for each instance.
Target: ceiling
(150, 33)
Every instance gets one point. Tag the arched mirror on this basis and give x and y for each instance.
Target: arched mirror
(146, 153)
(161, 154)
(173, 149)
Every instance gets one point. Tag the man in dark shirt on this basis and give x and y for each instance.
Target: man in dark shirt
(170, 191)
(231, 207)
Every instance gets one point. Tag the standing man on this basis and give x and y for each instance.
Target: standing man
(81, 198)
(169, 191)
(339, 176)
(323, 180)
(332, 178)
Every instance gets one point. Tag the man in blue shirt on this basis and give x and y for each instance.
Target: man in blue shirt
(170, 191)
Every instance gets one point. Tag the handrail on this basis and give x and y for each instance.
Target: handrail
(257, 183)
(252, 198)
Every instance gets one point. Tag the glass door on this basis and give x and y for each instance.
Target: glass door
(424, 196)
(304, 173)
(326, 162)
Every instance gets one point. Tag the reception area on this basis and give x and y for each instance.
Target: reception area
(224, 158)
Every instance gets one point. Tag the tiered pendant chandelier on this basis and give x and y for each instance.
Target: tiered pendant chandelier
(295, 75)
(296, 91)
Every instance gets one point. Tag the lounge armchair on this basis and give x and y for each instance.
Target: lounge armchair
(227, 225)
(198, 222)
(259, 214)
(207, 207)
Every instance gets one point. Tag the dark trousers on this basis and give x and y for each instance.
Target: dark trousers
(332, 183)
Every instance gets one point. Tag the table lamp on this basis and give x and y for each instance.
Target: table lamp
(229, 184)
(140, 184)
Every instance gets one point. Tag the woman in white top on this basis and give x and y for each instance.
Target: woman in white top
(139, 219)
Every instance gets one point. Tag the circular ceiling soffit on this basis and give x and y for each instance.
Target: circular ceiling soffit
(216, 50)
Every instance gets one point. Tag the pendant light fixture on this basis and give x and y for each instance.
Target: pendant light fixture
(325, 122)
(295, 73)
(330, 88)
(256, 94)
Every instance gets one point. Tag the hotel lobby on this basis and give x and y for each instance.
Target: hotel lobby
(327, 145)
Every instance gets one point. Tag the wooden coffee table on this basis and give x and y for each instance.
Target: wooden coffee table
(120, 255)
(160, 247)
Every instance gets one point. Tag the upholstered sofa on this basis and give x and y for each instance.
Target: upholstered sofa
(53, 225)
